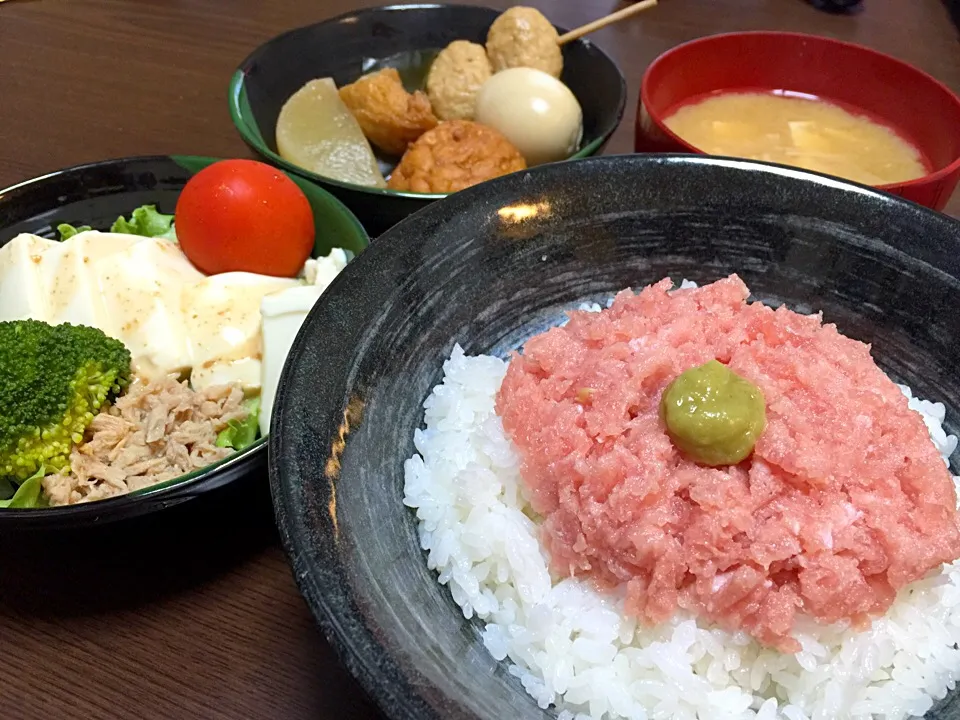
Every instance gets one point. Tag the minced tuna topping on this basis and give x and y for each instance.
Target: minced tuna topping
(155, 432)
(844, 500)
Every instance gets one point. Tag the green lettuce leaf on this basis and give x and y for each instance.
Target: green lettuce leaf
(67, 231)
(29, 494)
(146, 221)
(239, 434)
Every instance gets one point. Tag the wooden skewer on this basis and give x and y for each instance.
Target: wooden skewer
(606, 20)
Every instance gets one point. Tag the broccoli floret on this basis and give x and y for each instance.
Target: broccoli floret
(53, 380)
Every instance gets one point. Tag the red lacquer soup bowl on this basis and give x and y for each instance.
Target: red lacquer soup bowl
(921, 109)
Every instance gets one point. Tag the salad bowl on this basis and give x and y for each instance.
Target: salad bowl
(96, 195)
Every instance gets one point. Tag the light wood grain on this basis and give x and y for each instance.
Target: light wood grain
(606, 20)
(197, 616)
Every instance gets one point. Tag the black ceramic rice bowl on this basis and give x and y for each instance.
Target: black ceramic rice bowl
(493, 265)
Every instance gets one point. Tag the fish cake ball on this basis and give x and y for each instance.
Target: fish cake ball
(523, 37)
(455, 78)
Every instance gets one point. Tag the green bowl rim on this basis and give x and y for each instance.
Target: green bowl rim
(237, 88)
(234, 457)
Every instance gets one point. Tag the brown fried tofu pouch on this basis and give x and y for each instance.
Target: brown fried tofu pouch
(389, 116)
(455, 155)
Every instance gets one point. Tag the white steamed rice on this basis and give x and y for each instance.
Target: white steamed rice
(573, 647)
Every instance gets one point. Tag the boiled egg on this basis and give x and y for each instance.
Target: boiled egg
(534, 111)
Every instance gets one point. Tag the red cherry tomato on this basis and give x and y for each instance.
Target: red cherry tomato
(243, 215)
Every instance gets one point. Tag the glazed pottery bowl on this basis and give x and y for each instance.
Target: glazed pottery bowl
(493, 265)
(407, 37)
(95, 195)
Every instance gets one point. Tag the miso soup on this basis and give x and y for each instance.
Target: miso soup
(798, 130)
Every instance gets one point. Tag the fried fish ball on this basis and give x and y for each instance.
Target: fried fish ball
(454, 155)
(455, 78)
(389, 116)
(523, 37)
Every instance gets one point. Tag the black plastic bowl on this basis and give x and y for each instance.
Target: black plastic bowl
(472, 270)
(407, 37)
(95, 195)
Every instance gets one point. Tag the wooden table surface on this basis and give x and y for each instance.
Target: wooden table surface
(196, 615)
